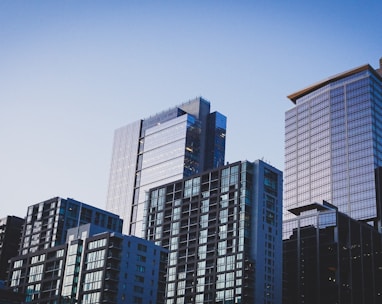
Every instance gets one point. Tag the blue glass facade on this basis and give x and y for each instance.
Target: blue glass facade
(179, 142)
(215, 145)
(333, 139)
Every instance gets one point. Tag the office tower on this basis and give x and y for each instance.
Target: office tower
(330, 258)
(223, 232)
(47, 222)
(168, 146)
(333, 145)
(93, 266)
(10, 234)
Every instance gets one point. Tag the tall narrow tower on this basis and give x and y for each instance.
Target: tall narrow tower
(333, 145)
(168, 146)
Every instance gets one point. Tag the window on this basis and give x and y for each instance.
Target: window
(142, 247)
(141, 258)
(91, 298)
(35, 273)
(140, 268)
(138, 289)
(95, 259)
(97, 244)
(16, 278)
(93, 280)
(18, 263)
(137, 300)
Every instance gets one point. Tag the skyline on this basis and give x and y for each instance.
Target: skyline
(71, 71)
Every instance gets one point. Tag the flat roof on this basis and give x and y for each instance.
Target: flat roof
(312, 206)
(293, 97)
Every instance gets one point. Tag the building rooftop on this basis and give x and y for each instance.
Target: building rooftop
(293, 97)
(313, 206)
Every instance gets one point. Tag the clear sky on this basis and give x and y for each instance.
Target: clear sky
(71, 72)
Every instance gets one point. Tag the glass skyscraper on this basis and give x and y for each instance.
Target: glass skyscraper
(173, 144)
(333, 145)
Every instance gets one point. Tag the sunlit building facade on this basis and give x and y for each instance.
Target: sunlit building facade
(222, 229)
(168, 146)
(329, 257)
(333, 145)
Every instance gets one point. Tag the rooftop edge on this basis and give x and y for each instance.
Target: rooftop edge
(293, 97)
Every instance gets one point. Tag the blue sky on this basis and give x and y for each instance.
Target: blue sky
(71, 72)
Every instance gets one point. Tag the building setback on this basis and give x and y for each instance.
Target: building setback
(223, 232)
(93, 266)
(330, 258)
(168, 146)
(333, 145)
(46, 223)
(10, 234)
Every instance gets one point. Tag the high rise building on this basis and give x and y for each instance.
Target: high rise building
(333, 145)
(222, 229)
(330, 258)
(46, 223)
(92, 266)
(10, 234)
(168, 146)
